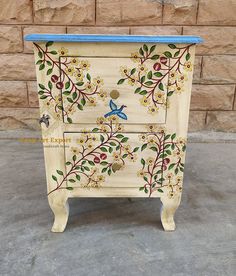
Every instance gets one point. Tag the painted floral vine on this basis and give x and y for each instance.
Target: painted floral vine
(94, 159)
(169, 154)
(168, 72)
(72, 79)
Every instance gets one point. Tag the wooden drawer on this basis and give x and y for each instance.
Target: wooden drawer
(91, 82)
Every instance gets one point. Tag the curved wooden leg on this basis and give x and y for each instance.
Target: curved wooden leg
(60, 208)
(169, 207)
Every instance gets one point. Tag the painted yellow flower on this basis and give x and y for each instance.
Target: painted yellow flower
(179, 88)
(170, 194)
(159, 96)
(74, 150)
(169, 176)
(81, 140)
(151, 128)
(142, 69)
(179, 188)
(179, 179)
(135, 57)
(153, 110)
(127, 148)
(100, 178)
(132, 157)
(102, 95)
(124, 71)
(92, 101)
(70, 71)
(188, 66)
(152, 140)
(150, 161)
(89, 145)
(93, 138)
(84, 64)
(105, 129)
(79, 76)
(172, 75)
(116, 156)
(161, 129)
(178, 154)
(58, 99)
(63, 51)
(101, 120)
(145, 101)
(143, 137)
(119, 127)
(132, 81)
(74, 61)
(89, 87)
(113, 118)
(98, 81)
(182, 77)
(182, 141)
(140, 173)
(71, 110)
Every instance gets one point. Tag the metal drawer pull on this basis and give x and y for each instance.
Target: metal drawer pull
(114, 94)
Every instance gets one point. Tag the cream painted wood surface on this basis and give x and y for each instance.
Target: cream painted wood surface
(164, 132)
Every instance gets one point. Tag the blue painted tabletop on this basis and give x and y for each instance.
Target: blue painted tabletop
(113, 38)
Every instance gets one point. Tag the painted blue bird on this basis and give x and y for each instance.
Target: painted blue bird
(116, 111)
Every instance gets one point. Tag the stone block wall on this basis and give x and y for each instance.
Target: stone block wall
(213, 105)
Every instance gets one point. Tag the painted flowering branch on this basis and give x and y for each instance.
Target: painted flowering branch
(166, 148)
(73, 81)
(150, 83)
(93, 161)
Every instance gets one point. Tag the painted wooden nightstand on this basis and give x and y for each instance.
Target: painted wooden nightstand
(114, 115)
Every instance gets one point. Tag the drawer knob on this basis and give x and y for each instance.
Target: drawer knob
(114, 94)
(44, 119)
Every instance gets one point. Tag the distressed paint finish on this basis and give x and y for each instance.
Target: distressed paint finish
(95, 152)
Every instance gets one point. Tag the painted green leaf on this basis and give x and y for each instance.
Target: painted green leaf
(137, 90)
(60, 172)
(152, 48)
(171, 166)
(66, 93)
(49, 63)
(148, 83)
(69, 100)
(168, 152)
(80, 83)
(109, 172)
(54, 177)
(161, 86)
(68, 163)
(176, 53)
(120, 81)
(160, 190)
(43, 97)
(167, 146)
(146, 190)
(41, 92)
(67, 85)
(39, 61)
(143, 162)
(153, 148)
(173, 146)
(110, 149)
(80, 107)
(70, 188)
(103, 149)
(72, 180)
(91, 163)
(88, 77)
(141, 51)
(155, 57)
(50, 85)
(95, 129)
(40, 54)
(41, 67)
(69, 120)
(132, 71)
(119, 136)
(142, 79)
(143, 147)
(136, 149)
(104, 163)
(102, 138)
(145, 178)
(158, 74)
(104, 170)
(53, 52)
(172, 46)
(170, 93)
(149, 75)
(173, 136)
(184, 148)
(187, 56)
(87, 169)
(74, 157)
(144, 92)
(41, 86)
(124, 140)
(141, 188)
(124, 155)
(112, 144)
(176, 171)
(83, 101)
(145, 47)
(167, 136)
(168, 54)
(49, 43)
(74, 95)
(60, 107)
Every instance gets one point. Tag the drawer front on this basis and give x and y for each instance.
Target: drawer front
(91, 90)
(109, 158)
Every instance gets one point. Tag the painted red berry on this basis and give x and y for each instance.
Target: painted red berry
(96, 159)
(59, 85)
(166, 161)
(54, 78)
(164, 168)
(163, 60)
(157, 66)
(103, 156)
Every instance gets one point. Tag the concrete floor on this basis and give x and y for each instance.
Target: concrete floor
(115, 236)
